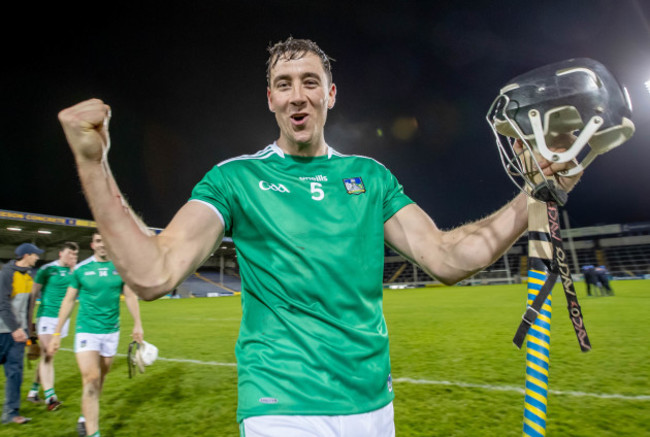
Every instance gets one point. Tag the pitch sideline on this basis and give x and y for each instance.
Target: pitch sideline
(488, 387)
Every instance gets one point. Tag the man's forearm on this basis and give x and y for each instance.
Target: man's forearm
(131, 245)
(479, 244)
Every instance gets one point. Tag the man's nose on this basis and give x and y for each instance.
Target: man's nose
(297, 95)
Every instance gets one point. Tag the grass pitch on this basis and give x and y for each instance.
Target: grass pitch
(455, 370)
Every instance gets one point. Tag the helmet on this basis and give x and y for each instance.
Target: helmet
(578, 97)
(141, 355)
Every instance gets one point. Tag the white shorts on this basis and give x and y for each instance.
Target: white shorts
(47, 325)
(378, 423)
(106, 344)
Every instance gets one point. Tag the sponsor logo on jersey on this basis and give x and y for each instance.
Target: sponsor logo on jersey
(318, 178)
(354, 185)
(265, 186)
(89, 273)
(268, 400)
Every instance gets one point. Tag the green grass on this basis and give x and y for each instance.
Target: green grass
(458, 335)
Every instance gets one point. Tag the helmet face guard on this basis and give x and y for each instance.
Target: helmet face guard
(578, 97)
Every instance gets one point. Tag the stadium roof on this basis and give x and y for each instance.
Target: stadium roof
(49, 232)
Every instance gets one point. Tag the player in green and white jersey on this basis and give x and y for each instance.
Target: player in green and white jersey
(98, 286)
(309, 225)
(51, 282)
(318, 217)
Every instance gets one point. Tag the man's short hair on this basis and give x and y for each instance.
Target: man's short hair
(291, 49)
(69, 245)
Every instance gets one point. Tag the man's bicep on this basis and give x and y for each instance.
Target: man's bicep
(414, 235)
(191, 237)
(409, 231)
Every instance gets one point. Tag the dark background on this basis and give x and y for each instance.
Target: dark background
(187, 86)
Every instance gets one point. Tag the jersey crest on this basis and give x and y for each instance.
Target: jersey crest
(354, 185)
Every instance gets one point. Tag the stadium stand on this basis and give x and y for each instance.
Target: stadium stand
(623, 249)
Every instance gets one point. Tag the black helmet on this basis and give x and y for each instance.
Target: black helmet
(577, 96)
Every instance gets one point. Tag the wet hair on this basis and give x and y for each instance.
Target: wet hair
(291, 49)
(69, 245)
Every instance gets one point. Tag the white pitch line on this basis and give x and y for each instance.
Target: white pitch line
(178, 360)
(521, 390)
(429, 382)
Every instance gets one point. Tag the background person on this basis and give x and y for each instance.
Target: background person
(591, 279)
(51, 282)
(603, 277)
(98, 285)
(15, 288)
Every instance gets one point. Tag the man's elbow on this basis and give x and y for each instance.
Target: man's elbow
(149, 292)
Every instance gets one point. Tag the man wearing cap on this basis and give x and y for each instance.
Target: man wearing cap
(15, 290)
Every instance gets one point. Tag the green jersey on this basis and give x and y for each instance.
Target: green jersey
(99, 287)
(310, 244)
(54, 280)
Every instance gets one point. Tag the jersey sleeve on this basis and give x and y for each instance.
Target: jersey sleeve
(74, 280)
(214, 191)
(41, 276)
(394, 197)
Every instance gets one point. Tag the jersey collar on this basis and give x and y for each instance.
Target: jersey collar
(280, 152)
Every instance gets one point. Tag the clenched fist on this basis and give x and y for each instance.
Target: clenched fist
(86, 128)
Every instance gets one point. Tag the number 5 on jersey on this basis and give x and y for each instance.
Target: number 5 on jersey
(317, 191)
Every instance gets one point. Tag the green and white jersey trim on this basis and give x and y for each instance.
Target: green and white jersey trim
(54, 279)
(309, 234)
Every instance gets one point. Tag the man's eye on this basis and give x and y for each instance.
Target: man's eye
(282, 85)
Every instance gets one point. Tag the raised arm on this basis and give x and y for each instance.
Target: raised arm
(454, 255)
(457, 254)
(151, 265)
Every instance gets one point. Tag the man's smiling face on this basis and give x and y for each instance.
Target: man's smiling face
(300, 95)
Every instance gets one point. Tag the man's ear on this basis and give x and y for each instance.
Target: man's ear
(332, 96)
(268, 99)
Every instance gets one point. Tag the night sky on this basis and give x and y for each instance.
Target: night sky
(187, 86)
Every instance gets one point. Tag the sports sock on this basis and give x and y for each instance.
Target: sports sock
(49, 394)
(35, 387)
(95, 434)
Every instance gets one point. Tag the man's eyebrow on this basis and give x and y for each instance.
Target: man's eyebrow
(308, 74)
(277, 79)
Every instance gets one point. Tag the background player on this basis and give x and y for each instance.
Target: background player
(98, 285)
(51, 282)
(313, 347)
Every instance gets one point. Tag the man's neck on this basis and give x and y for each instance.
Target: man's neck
(22, 263)
(302, 149)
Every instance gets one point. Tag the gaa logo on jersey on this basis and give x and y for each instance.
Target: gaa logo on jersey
(354, 185)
